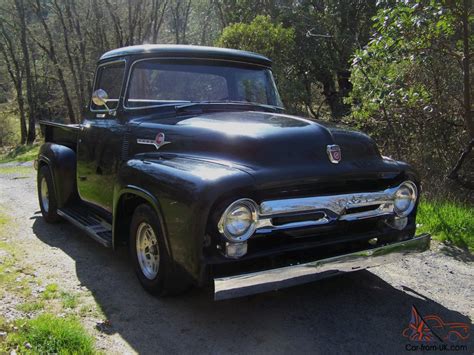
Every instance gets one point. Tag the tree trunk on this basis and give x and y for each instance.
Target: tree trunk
(32, 109)
(15, 71)
(52, 56)
(158, 21)
(466, 70)
(467, 98)
(21, 107)
(69, 54)
(80, 60)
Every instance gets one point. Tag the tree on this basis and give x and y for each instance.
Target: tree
(17, 61)
(273, 41)
(15, 70)
(327, 34)
(180, 11)
(408, 87)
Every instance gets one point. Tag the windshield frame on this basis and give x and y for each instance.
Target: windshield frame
(184, 102)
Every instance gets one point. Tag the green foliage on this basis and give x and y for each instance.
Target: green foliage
(407, 84)
(10, 276)
(9, 127)
(17, 170)
(235, 11)
(51, 291)
(21, 153)
(69, 300)
(448, 221)
(272, 40)
(48, 334)
(3, 221)
(29, 307)
(311, 61)
(262, 36)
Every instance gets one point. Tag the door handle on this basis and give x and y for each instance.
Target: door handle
(82, 127)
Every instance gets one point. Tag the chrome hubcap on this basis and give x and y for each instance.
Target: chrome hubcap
(44, 195)
(148, 252)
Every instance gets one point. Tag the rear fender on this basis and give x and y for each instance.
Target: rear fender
(61, 161)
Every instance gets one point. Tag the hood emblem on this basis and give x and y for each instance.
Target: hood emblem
(334, 153)
(158, 142)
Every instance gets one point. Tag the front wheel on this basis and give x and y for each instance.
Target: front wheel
(46, 196)
(152, 262)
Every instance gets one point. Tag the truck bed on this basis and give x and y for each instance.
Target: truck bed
(60, 133)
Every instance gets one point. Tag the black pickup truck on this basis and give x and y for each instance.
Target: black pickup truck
(186, 156)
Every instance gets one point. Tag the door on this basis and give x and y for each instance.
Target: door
(100, 141)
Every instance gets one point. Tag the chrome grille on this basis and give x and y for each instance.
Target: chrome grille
(321, 210)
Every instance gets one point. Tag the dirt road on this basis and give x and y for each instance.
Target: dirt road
(363, 313)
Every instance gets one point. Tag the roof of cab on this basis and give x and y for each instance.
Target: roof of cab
(188, 51)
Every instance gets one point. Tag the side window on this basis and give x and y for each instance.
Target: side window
(110, 78)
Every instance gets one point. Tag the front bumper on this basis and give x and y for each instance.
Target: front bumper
(274, 279)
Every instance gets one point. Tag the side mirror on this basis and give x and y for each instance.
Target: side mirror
(100, 97)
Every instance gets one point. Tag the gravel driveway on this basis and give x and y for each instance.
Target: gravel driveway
(362, 313)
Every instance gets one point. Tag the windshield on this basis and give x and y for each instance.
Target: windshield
(154, 82)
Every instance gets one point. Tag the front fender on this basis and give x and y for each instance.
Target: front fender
(62, 163)
(184, 189)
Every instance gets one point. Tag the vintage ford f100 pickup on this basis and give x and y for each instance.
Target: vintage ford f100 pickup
(186, 156)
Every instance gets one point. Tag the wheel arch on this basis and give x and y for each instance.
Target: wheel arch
(45, 161)
(127, 200)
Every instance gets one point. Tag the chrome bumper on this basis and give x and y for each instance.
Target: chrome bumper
(274, 279)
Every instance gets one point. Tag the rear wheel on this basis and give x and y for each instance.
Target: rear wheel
(46, 196)
(152, 262)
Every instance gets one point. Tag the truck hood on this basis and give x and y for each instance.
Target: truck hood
(267, 141)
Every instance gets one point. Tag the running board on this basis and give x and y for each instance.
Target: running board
(95, 226)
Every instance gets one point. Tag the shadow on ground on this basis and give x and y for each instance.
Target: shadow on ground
(355, 313)
(461, 254)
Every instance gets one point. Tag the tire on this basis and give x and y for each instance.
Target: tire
(153, 265)
(46, 196)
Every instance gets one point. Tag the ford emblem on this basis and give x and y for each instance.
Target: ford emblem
(334, 153)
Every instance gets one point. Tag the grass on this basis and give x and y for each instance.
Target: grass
(46, 333)
(22, 171)
(29, 307)
(49, 334)
(69, 300)
(3, 222)
(51, 291)
(448, 222)
(20, 153)
(11, 277)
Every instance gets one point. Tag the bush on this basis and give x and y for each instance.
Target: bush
(9, 127)
(407, 86)
(272, 40)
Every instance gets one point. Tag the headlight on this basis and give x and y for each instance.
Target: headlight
(238, 222)
(405, 198)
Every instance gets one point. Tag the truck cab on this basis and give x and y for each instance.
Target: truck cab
(187, 157)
